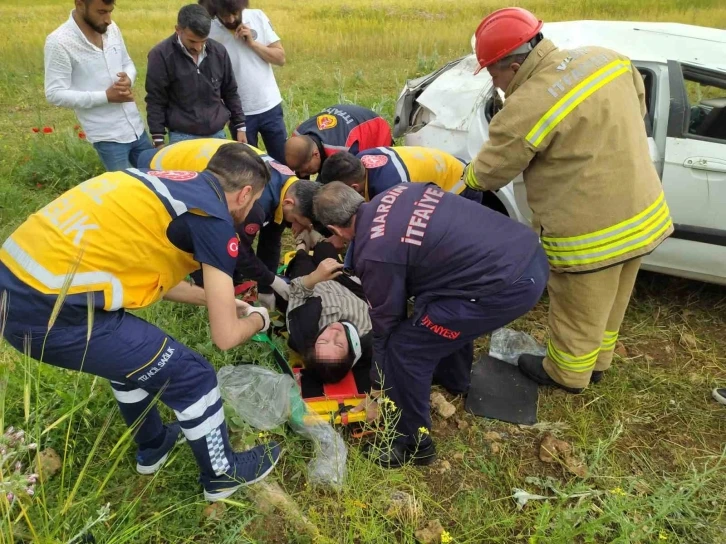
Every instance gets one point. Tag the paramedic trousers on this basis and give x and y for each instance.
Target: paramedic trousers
(142, 364)
(586, 311)
(437, 345)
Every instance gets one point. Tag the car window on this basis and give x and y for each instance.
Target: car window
(706, 106)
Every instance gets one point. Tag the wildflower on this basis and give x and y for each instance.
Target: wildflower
(36, 130)
(82, 135)
(76, 127)
(423, 430)
(18, 466)
(30, 491)
(47, 130)
(32, 446)
(618, 491)
(662, 535)
(32, 478)
(359, 504)
(446, 537)
(10, 497)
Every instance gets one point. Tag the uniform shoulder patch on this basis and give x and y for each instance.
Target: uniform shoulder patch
(252, 229)
(174, 175)
(284, 170)
(327, 121)
(374, 161)
(233, 247)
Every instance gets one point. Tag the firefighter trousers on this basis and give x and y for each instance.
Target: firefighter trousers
(585, 314)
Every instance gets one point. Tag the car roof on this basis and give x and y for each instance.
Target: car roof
(653, 42)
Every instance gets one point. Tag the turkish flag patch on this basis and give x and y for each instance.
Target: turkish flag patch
(252, 229)
(374, 161)
(233, 247)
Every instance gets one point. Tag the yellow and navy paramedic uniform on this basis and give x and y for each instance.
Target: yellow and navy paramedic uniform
(121, 241)
(265, 216)
(387, 166)
(573, 124)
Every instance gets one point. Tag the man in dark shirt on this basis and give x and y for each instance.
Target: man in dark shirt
(190, 86)
(471, 271)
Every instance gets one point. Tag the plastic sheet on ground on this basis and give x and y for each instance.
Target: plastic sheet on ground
(507, 345)
(266, 399)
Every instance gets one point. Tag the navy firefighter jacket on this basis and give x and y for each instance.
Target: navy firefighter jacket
(416, 240)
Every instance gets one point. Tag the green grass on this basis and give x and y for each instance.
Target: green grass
(651, 437)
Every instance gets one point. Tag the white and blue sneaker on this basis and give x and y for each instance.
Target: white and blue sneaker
(149, 460)
(249, 467)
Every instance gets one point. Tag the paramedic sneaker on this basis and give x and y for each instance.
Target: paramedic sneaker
(719, 395)
(149, 460)
(532, 367)
(249, 467)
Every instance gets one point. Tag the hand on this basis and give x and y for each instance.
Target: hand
(329, 269)
(242, 136)
(242, 308)
(370, 406)
(262, 312)
(281, 287)
(337, 241)
(124, 81)
(267, 300)
(244, 33)
(116, 95)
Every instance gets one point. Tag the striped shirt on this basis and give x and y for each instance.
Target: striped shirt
(338, 304)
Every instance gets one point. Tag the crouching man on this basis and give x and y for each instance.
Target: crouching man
(122, 241)
(472, 270)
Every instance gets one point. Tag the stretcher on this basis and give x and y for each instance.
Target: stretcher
(333, 402)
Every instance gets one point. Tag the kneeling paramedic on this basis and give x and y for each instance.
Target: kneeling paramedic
(471, 271)
(286, 200)
(572, 121)
(373, 171)
(343, 127)
(122, 241)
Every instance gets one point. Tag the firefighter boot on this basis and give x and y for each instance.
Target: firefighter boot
(531, 366)
(398, 454)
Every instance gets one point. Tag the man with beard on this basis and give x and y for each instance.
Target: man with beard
(254, 47)
(123, 241)
(88, 69)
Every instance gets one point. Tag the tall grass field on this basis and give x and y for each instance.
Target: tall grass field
(647, 461)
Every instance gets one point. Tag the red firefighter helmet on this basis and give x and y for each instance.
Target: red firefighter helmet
(502, 33)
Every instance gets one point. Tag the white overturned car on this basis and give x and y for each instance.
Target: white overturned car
(684, 68)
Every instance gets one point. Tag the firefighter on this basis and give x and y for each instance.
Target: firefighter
(572, 121)
(372, 171)
(285, 200)
(471, 271)
(342, 127)
(122, 241)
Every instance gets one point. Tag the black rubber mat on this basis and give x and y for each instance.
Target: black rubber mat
(500, 391)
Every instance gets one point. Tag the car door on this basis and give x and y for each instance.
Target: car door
(694, 170)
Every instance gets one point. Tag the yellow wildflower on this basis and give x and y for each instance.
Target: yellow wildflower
(446, 537)
(662, 535)
(618, 491)
(423, 430)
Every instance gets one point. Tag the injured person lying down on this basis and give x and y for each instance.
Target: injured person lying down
(327, 315)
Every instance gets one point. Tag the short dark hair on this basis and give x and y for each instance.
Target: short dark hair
(343, 166)
(328, 371)
(196, 18)
(231, 6)
(107, 2)
(304, 192)
(210, 6)
(237, 166)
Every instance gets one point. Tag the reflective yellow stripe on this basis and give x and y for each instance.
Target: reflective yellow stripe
(630, 235)
(470, 178)
(569, 362)
(609, 340)
(571, 100)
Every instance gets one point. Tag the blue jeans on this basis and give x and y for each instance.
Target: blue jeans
(116, 156)
(175, 137)
(270, 125)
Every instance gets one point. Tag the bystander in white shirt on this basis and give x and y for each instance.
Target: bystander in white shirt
(256, 82)
(77, 74)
